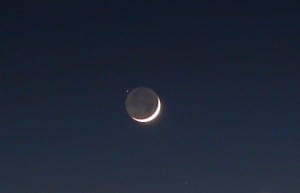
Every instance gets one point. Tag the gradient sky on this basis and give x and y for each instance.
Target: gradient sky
(227, 74)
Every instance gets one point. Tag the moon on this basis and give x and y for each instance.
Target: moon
(143, 105)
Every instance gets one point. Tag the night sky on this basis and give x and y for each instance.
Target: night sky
(227, 74)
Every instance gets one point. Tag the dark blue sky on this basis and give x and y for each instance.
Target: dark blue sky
(227, 74)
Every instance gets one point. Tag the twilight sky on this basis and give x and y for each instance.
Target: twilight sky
(227, 73)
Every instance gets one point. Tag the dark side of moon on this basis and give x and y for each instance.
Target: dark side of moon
(141, 103)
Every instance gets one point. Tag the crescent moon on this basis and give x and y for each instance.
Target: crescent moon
(151, 117)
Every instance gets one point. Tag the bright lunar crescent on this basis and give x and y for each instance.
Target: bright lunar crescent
(143, 105)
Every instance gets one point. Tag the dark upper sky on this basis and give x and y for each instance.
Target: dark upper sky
(227, 74)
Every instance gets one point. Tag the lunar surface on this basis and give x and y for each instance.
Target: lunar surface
(143, 104)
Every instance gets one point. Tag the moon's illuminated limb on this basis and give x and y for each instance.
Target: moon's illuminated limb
(153, 116)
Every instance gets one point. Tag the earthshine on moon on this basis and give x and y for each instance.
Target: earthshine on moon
(143, 105)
